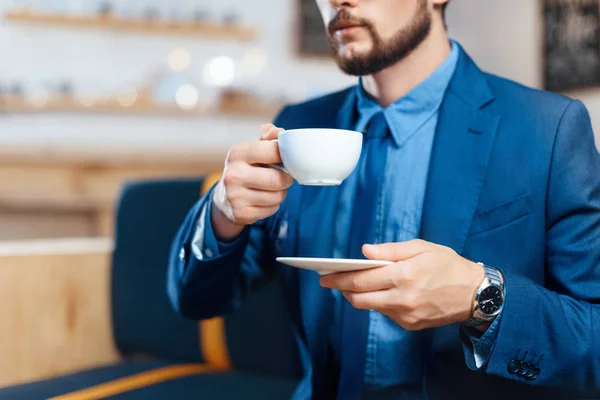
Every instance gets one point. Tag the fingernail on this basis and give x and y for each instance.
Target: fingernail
(265, 134)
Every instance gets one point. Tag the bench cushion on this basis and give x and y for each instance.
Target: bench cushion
(137, 380)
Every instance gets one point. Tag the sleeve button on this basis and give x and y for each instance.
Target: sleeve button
(530, 373)
(524, 370)
(514, 366)
(535, 373)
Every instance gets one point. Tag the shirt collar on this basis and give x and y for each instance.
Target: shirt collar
(407, 114)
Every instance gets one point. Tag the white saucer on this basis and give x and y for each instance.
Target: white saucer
(325, 266)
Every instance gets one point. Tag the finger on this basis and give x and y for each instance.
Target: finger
(269, 179)
(249, 215)
(378, 300)
(257, 198)
(265, 128)
(269, 132)
(397, 251)
(261, 152)
(258, 152)
(362, 281)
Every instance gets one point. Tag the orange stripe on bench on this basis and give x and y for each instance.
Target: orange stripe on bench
(209, 181)
(137, 381)
(213, 342)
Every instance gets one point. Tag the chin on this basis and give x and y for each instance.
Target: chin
(354, 50)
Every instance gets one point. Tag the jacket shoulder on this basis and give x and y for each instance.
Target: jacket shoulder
(533, 119)
(518, 97)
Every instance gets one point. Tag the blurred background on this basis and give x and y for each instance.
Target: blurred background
(94, 92)
(101, 95)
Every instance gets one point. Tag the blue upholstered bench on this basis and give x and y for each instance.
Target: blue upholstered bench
(249, 354)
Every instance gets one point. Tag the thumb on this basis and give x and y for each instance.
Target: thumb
(396, 251)
(269, 132)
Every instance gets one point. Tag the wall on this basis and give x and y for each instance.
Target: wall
(505, 38)
(103, 62)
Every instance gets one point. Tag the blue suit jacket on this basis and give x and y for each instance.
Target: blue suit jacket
(514, 182)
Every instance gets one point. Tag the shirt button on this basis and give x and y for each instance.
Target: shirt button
(208, 253)
(182, 255)
(514, 366)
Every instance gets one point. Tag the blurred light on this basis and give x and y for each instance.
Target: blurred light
(179, 59)
(255, 61)
(87, 101)
(127, 97)
(41, 99)
(219, 71)
(187, 97)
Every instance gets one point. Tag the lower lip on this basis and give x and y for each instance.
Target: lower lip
(348, 31)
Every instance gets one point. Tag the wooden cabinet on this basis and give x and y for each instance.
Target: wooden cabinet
(73, 194)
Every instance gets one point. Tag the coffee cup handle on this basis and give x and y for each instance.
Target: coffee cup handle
(279, 167)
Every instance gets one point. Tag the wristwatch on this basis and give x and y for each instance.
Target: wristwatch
(489, 298)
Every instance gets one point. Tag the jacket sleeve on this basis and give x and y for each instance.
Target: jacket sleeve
(207, 278)
(548, 335)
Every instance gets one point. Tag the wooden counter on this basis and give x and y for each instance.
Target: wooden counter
(61, 192)
(56, 311)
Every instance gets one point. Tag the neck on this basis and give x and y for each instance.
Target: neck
(397, 80)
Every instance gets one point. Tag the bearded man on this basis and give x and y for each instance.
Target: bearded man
(483, 193)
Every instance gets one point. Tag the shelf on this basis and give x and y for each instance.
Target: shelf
(156, 27)
(68, 104)
(18, 104)
(249, 108)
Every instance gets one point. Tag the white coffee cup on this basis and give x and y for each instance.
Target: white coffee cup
(319, 157)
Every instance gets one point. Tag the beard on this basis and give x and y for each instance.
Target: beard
(383, 54)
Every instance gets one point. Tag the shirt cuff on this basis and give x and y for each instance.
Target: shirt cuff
(481, 346)
(205, 244)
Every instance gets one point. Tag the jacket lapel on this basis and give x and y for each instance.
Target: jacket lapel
(461, 150)
(315, 238)
(315, 234)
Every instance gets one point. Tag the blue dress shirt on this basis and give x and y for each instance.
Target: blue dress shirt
(394, 355)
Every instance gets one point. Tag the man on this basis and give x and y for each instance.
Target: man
(484, 193)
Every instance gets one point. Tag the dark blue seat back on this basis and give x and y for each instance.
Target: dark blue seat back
(148, 217)
(259, 338)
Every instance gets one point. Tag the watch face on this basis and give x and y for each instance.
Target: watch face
(490, 300)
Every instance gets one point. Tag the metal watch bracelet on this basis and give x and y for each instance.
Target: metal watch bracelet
(494, 278)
